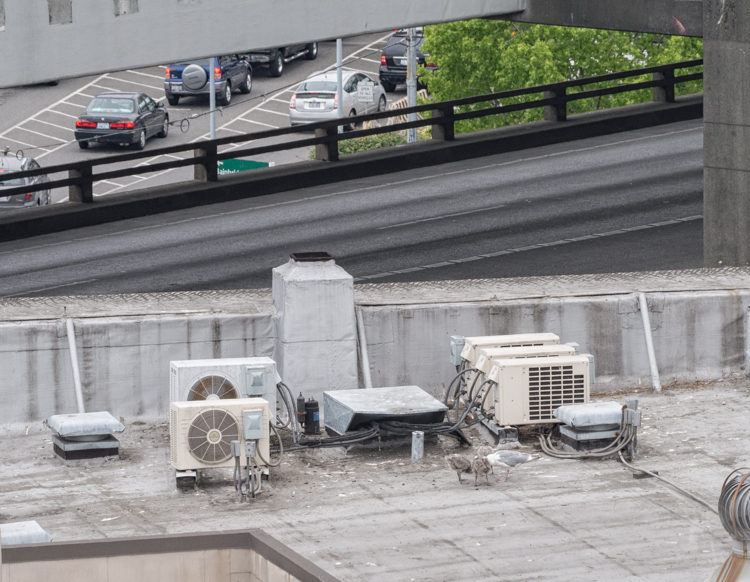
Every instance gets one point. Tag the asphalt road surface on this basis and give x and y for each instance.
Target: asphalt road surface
(487, 217)
(40, 120)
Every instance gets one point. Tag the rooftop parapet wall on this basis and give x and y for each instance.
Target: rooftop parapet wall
(126, 342)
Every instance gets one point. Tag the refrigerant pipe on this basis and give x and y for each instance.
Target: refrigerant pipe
(363, 350)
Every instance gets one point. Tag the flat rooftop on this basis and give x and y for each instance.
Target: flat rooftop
(371, 515)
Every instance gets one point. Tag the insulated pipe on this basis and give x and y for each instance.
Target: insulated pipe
(363, 350)
(649, 343)
(74, 364)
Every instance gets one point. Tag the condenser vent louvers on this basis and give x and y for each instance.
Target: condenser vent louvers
(551, 387)
(487, 355)
(474, 344)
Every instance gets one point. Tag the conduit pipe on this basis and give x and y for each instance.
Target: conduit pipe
(74, 364)
(649, 343)
(363, 356)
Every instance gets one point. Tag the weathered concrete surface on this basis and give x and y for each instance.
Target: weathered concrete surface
(125, 342)
(372, 516)
(674, 17)
(726, 227)
(63, 38)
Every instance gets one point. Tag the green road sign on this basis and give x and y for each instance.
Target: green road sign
(234, 166)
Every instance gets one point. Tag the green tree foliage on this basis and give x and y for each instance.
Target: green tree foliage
(485, 56)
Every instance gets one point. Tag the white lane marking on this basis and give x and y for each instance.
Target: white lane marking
(24, 143)
(107, 88)
(85, 95)
(528, 248)
(231, 130)
(61, 113)
(39, 133)
(48, 288)
(109, 77)
(440, 217)
(369, 60)
(76, 105)
(274, 112)
(54, 125)
(259, 123)
(145, 74)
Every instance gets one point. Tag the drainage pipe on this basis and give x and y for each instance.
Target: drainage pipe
(74, 364)
(649, 343)
(363, 356)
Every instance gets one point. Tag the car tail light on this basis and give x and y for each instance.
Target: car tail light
(217, 72)
(336, 101)
(168, 72)
(125, 124)
(29, 196)
(382, 60)
(293, 102)
(430, 65)
(84, 123)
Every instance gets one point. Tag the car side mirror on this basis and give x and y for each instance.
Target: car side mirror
(160, 105)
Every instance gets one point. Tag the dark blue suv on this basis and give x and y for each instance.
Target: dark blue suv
(232, 72)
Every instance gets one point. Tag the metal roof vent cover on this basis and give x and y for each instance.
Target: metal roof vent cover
(734, 511)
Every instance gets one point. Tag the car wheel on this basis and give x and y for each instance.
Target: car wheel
(226, 97)
(382, 103)
(312, 51)
(173, 99)
(141, 143)
(277, 66)
(388, 87)
(164, 128)
(247, 86)
(84, 145)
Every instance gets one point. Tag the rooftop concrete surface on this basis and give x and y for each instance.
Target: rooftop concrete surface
(371, 515)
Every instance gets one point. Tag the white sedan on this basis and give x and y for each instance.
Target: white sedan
(316, 98)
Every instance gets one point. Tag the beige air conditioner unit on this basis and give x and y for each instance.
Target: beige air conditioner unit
(487, 355)
(529, 390)
(200, 432)
(472, 345)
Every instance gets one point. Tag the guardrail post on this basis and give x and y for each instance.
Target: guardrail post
(207, 171)
(445, 130)
(557, 111)
(664, 94)
(83, 189)
(329, 151)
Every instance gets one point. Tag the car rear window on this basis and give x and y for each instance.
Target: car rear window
(111, 105)
(13, 182)
(320, 86)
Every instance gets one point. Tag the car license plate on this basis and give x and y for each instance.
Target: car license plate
(176, 86)
(102, 126)
(314, 105)
(4, 198)
(401, 62)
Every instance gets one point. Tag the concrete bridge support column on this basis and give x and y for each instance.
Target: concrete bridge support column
(726, 199)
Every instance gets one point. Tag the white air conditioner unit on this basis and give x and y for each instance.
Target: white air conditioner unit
(529, 390)
(196, 380)
(487, 355)
(200, 433)
(472, 345)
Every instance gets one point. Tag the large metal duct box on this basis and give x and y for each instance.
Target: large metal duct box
(348, 410)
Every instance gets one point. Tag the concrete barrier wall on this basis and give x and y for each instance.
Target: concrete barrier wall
(124, 362)
(697, 335)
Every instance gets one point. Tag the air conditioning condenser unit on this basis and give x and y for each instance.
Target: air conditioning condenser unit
(472, 345)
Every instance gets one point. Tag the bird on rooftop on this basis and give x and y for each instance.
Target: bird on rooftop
(480, 466)
(508, 460)
(485, 450)
(459, 464)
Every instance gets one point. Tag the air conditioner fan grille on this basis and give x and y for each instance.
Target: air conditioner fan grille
(215, 386)
(210, 436)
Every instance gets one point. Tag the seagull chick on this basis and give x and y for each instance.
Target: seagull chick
(459, 464)
(485, 450)
(481, 466)
(508, 460)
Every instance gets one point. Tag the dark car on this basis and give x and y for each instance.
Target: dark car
(275, 58)
(393, 60)
(231, 72)
(8, 165)
(122, 118)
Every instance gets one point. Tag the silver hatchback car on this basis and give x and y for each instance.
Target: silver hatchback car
(9, 165)
(316, 98)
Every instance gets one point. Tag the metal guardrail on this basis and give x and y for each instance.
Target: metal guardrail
(81, 176)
